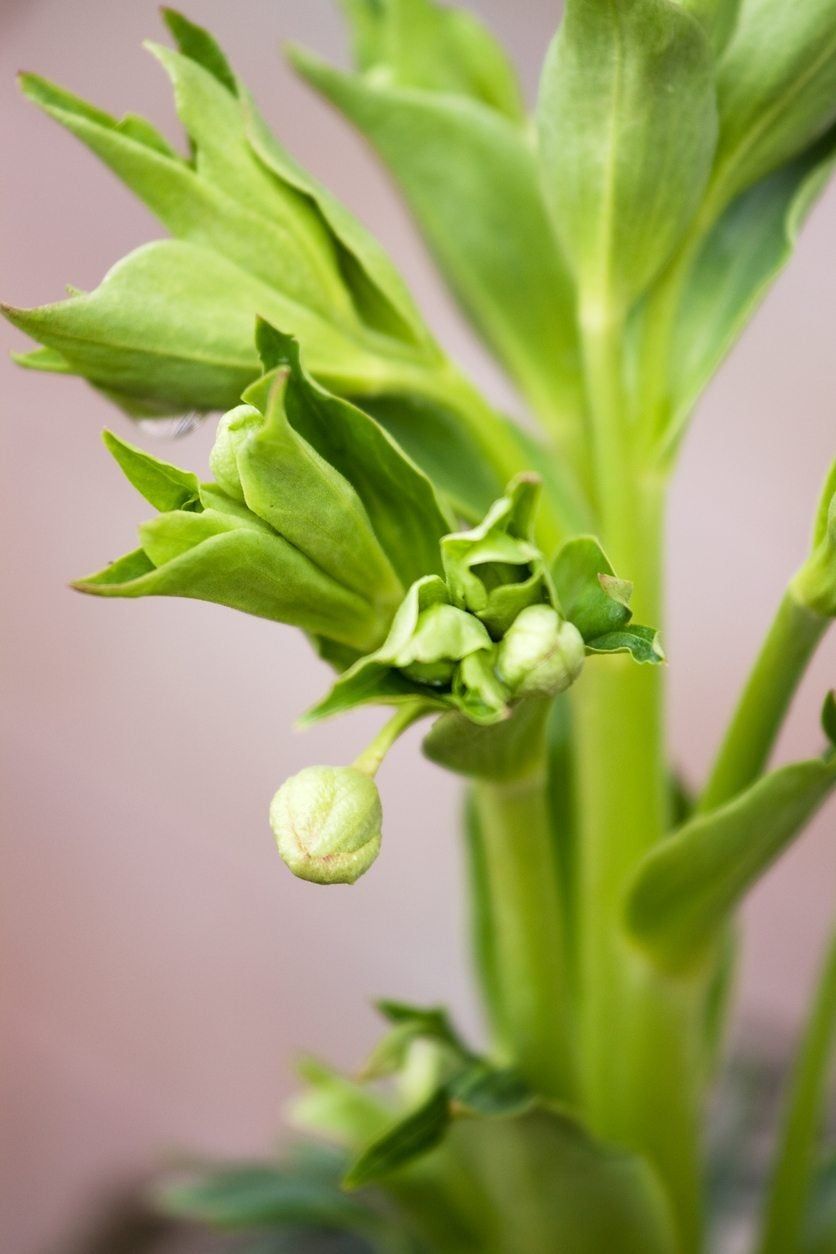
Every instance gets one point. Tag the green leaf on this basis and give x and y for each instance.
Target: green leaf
(398, 498)
(494, 570)
(688, 887)
(501, 752)
(171, 325)
(588, 591)
(411, 1024)
(742, 256)
(258, 1195)
(470, 179)
(776, 89)
(814, 585)
(197, 44)
(719, 18)
(376, 286)
(290, 485)
(820, 1227)
(192, 207)
(336, 1107)
(389, 674)
(642, 643)
(595, 1197)
(627, 128)
(433, 435)
(490, 1092)
(421, 44)
(163, 486)
(245, 568)
(410, 1138)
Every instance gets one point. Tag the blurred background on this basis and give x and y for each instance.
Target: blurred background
(160, 968)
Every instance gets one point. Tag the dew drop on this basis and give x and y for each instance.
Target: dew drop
(171, 428)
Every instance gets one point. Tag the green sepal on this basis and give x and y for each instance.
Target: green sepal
(588, 592)
(642, 643)
(490, 1092)
(450, 636)
(820, 1222)
(397, 496)
(627, 123)
(687, 888)
(504, 751)
(246, 567)
(164, 486)
(469, 177)
(408, 1139)
(494, 570)
(289, 484)
(411, 1024)
(719, 18)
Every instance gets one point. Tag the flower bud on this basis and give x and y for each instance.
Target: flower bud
(541, 653)
(327, 823)
(223, 460)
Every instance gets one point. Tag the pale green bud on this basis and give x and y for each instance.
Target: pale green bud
(327, 823)
(541, 653)
(233, 429)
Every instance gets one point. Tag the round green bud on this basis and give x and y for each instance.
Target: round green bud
(233, 429)
(541, 653)
(327, 823)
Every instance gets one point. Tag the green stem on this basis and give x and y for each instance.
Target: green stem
(523, 887)
(792, 1178)
(643, 1092)
(786, 652)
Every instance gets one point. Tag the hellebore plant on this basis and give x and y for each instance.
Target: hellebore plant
(452, 566)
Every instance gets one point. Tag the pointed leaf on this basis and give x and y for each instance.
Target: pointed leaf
(171, 326)
(245, 568)
(304, 498)
(642, 643)
(410, 1138)
(197, 44)
(776, 89)
(490, 1092)
(741, 258)
(627, 124)
(164, 486)
(398, 497)
(688, 887)
(424, 45)
(470, 179)
(589, 593)
(194, 208)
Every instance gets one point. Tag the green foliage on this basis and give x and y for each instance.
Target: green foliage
(608, 251)
(688, 887)
(627, 127)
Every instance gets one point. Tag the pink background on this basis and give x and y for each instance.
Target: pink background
(160, 967)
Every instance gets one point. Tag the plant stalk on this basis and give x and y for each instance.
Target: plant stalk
(785, 654)
(523, 888)
(639, 1078)
(792, 1177)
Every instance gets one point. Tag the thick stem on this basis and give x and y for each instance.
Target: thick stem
(786, 652)
(792, 1178)
(523, 887)
(639, 1077)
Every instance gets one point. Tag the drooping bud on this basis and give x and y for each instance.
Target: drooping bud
(541, 653)
(327, 823)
